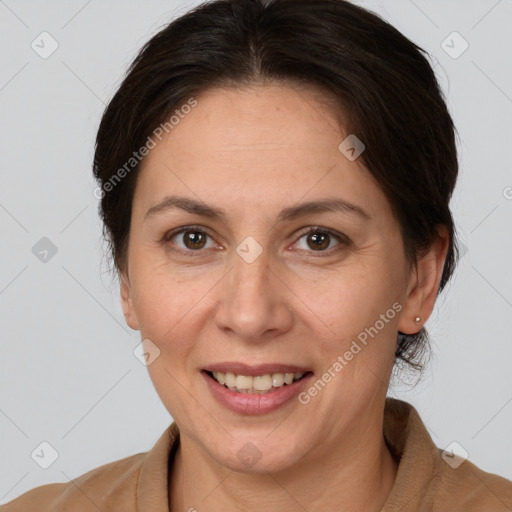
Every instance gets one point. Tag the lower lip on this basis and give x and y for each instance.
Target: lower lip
(246, 403)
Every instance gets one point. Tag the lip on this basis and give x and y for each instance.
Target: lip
(252, 404)
(255, 370)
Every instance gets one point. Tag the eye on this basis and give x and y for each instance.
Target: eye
(320, 239)
(193, 239)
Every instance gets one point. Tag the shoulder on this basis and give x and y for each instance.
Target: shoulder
(429, 478)
(108, 487)
(468, 487)
(137, 482)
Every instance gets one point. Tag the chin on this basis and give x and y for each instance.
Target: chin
(260, 456)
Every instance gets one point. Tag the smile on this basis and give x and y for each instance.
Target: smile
(240, 393)
(261, 384)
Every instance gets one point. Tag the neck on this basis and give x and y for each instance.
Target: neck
(357, 475)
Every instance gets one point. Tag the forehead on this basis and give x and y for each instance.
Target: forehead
(260, 144)
(260, 118)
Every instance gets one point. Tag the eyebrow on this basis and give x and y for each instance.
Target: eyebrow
(287, 214)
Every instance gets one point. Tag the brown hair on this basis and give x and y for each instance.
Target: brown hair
(383, 82)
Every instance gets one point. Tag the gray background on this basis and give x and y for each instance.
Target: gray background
(68, 373)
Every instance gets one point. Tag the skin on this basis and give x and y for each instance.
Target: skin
(253, 151)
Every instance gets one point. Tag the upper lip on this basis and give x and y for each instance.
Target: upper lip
(255, 370)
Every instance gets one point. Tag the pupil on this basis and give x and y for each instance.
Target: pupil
(193, 240)
(319, 240)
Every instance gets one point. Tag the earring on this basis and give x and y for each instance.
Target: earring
(417, 319)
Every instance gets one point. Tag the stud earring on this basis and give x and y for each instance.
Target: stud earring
(417, 319)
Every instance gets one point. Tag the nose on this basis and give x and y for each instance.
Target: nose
(254, 303)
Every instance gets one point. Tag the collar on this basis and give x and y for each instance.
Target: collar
(419, 460)
(410, 443)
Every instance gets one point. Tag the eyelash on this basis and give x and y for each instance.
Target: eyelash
(344, 240)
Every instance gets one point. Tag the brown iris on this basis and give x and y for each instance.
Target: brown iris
(320, 240)
(194, 239)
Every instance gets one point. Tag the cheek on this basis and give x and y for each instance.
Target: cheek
(169, 304)
(354, 305)
(158, 304)
(166, 314)
(353, 296)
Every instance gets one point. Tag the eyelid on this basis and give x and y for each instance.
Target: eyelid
(169, 234)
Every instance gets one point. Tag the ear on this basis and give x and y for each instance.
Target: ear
(424, 284)
(127, 303)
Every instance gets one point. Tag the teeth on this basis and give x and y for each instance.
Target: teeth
(262, 382)
(243, 382)
(256, 385)
(230, 380)
(278, 380)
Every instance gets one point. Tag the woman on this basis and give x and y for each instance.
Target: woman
(275, 179)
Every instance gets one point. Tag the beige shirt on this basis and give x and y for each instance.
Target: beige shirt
(425, 481)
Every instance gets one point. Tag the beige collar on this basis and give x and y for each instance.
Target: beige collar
(415, 484)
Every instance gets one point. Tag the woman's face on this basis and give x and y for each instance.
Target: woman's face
(250, 285)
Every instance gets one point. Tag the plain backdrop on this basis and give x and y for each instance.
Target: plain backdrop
(68, 373)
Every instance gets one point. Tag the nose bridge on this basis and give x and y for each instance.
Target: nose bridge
(251, 304)
(251, 268)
